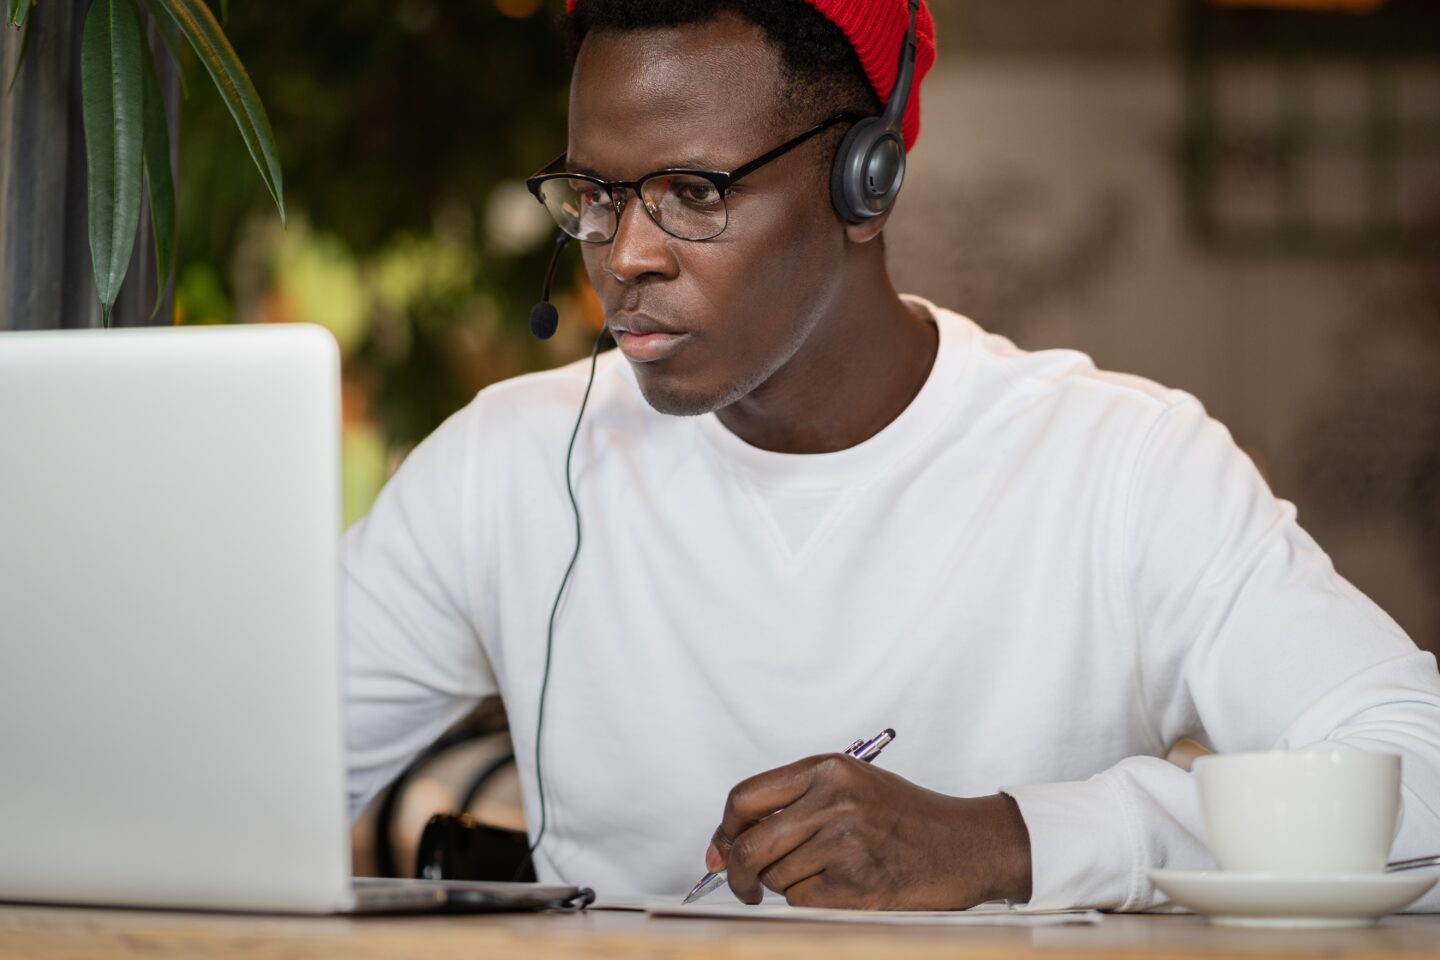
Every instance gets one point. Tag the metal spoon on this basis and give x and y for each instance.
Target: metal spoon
(1415, 864)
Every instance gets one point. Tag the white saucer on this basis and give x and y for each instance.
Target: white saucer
(1291, 899)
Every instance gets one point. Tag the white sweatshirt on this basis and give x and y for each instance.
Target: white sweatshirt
(1040, 574)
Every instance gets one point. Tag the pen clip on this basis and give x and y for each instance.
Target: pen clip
(870, 750)
(856, 748)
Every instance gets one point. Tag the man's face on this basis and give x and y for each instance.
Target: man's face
(743, 304)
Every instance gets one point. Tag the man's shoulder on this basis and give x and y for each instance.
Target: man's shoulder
(1056, 378)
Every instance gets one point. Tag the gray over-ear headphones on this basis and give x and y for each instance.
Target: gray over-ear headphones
(870, 162)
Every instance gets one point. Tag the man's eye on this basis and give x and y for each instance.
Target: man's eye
(697, 193)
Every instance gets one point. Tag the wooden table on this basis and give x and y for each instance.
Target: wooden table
(57, 933)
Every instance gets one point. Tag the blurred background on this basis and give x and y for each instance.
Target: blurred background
(1238, 198)
(1241, 200)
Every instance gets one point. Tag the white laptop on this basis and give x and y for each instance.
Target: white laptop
(170, 708)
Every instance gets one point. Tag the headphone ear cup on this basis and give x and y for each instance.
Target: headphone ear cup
(847, 177)
(868, 170)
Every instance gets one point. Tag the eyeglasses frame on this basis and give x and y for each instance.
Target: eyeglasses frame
(723, 181)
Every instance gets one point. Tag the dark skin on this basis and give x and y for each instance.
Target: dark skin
(786, 305)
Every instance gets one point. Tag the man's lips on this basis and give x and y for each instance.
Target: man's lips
(640, 324)
(644, 339)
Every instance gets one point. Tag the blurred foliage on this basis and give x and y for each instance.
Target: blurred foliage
(405, 131)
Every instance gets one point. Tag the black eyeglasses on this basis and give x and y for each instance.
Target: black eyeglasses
(688, 204)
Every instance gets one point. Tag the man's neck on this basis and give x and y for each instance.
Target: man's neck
(857, 372)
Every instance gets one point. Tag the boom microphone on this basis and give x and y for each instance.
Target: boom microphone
(544, 318)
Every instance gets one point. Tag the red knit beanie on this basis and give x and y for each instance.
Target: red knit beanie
(875, 29)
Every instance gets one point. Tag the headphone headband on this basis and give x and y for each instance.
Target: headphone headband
(869, 164)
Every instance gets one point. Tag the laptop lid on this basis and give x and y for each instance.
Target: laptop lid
(170, 715)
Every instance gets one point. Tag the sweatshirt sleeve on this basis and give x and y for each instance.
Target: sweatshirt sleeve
(1244, 638)
(414, 663)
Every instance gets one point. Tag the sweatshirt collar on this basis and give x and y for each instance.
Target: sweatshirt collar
(926, 412)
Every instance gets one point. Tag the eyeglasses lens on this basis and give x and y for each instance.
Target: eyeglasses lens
(581, 208)
(683, 205)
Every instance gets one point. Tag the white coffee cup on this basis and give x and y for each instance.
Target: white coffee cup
(1333, 811)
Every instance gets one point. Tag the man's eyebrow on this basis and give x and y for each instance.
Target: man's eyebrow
(569, 167)
(683, 163)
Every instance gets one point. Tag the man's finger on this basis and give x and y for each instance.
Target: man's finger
(814, 891)
(770, 841)
(807, 860)
(756, 798)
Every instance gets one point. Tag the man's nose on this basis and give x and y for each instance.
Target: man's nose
(640, 247)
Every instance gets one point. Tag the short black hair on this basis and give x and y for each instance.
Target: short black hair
(823, 75)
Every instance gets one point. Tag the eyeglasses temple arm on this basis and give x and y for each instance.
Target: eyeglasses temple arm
(791, 144)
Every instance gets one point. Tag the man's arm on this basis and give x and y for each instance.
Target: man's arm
(1245, 638)
(413, 662)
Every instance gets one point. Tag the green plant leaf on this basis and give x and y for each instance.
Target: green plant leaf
(17, 13)
(110, 97)
(24, 46)
(199, 26)
(158, 180)
(163, 26)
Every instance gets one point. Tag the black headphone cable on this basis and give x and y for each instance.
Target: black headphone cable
(555, 607)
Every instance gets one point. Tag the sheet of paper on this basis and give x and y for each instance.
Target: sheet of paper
(991, 914)
(641, 904)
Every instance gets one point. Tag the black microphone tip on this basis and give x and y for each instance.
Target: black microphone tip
(544, 318)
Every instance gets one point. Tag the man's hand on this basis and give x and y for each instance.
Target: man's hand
(831, 831)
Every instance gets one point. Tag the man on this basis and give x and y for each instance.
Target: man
(812, 509)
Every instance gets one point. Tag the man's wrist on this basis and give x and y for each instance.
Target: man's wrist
(1013, 875)
(996, 865)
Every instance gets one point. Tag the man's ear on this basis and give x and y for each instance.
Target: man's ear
(867, 230)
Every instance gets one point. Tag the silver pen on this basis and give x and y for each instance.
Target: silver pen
(863, 750)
